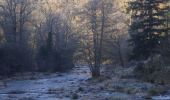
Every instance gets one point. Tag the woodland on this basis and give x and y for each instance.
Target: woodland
(63, 49)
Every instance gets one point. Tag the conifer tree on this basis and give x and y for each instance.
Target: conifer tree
(149, 27)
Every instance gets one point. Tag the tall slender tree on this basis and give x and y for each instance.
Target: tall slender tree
(149, 26)
(97, 20)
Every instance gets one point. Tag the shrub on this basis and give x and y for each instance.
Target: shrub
(153, 71)
(14, 58)
(156, 91)
(54, 60)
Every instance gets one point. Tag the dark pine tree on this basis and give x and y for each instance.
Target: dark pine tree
(149, 27)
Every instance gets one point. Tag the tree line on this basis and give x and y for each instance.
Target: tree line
(44, 36)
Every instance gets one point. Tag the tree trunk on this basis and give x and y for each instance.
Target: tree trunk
(121, 55)
(96, 72)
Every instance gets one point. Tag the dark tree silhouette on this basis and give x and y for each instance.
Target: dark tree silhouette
(149, 26)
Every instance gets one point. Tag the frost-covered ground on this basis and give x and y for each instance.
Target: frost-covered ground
(53, 87)
(75, 84)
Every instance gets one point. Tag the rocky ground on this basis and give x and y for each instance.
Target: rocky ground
(117, 84)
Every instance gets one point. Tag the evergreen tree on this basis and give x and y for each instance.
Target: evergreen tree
(149, 26)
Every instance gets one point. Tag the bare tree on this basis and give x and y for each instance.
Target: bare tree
(97, 19)
(55, 35)
(15, 16)
(117, 40)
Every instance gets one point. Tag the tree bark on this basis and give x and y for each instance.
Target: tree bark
(96, 72)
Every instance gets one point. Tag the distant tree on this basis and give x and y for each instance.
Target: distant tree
(116, 39)
(55, 41)
(96, 20)
(15, 16)
(148, 28)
